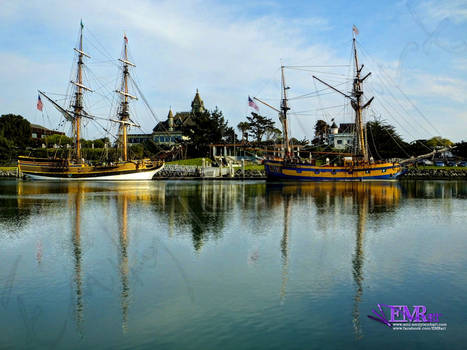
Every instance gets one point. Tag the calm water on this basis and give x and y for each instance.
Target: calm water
(231, 265)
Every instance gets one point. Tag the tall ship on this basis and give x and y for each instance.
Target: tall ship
(74, 166)
(357, 166)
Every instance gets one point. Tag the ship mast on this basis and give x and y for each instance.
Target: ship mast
(78, 100)
(357, 92)
(356, 102)
(283, 114)
(124, 106)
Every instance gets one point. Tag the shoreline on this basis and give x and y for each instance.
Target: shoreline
(411, 174)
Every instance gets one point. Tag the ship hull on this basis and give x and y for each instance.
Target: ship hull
(61, 170)
(282, 171)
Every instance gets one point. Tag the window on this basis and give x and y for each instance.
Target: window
(367, 171)
(34, 135)
(384, 170)
(339, 142)
(316, 171)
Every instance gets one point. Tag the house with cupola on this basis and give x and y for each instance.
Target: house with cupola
(170, 131)
(341, 137)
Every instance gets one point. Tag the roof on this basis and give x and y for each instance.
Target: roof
(37, 126)
(346, 127)
(180, 119)
(197, 103)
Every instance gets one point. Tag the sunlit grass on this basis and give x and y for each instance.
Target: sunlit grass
(192, 161)
(7, 168)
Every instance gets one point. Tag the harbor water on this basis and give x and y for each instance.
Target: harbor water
(229, 264)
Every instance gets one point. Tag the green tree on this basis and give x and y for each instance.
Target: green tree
(321, 128)
(7, 150)
(273, 134)
(302, 142)
(229, 135)
(460, 149)
(244, 127)
(16, 129)
(259, 125)
(419, 147)
(438, 142)
(57, 139)
(207, 128)
(221, 130)
(384, 142)
(136, 151)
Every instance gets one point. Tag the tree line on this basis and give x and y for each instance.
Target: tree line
(384, 142)
(211, 127)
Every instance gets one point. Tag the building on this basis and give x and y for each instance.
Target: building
(39, 132)
(342, 137)
(170, 131)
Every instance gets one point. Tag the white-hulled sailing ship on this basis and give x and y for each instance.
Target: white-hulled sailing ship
(75, 167)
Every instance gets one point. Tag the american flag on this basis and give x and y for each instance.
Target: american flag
(39, 103)
(355, 29)
(252, 104)
(125, 38)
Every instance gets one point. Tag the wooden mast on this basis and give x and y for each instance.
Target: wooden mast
(283, 114)
(124, 112)
(356, 102)
(356, 105)
(79, 97)
(78, 105)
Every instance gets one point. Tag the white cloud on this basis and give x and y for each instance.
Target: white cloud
(179, 46)
(455, 10)
(441, 87)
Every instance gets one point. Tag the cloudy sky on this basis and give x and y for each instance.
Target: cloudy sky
(416, 51)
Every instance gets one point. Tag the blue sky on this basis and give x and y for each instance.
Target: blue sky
(416, 51)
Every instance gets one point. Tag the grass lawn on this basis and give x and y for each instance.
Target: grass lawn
(253, 167)
(193, 161)
(7, 168)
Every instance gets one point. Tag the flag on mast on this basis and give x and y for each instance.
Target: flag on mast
(39, 103)
(125, 38)
(252, 104)
(355, 29)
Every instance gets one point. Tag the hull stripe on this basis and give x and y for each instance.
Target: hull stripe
(303, 172)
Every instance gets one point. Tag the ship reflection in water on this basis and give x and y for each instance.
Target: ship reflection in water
(161, 263)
